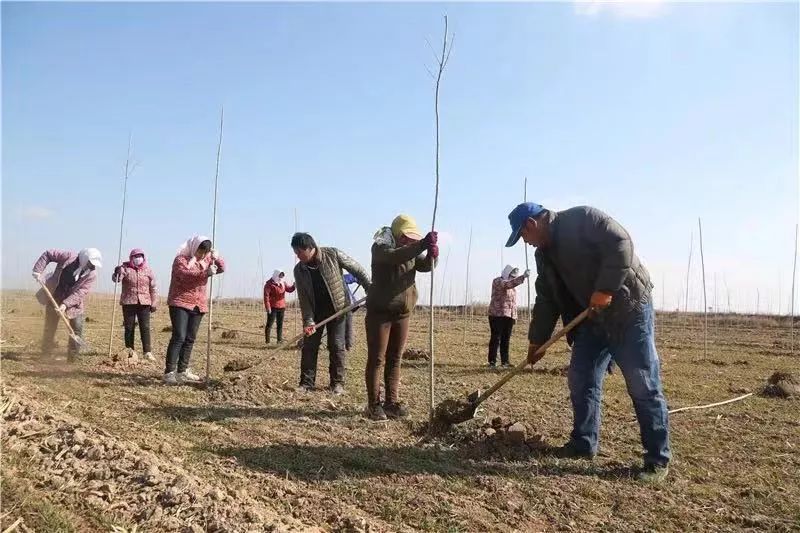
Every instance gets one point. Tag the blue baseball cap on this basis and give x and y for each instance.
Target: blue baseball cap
(517, 219)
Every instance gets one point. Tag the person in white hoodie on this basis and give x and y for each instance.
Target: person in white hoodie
(503, 313)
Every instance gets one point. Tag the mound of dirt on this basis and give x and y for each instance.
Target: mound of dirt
(121, 481)
(782, 385)
(166, 329)
(230, 334)
(252, 389)
(416, 354)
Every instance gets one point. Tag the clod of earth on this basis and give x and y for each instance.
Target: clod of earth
(416, 354)
(782, 385)
(166, 329)
(230, 334)
(235, 365)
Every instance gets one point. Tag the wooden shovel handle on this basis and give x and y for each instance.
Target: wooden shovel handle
(58, 310)
(540, 352)
(323, 322)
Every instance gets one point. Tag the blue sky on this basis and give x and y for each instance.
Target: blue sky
(656, 113)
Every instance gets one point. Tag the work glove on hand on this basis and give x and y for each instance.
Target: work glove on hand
(433, 251)
(527, 273)
(212, 269)
(533, 357)
(309, 330)
(37, 276)
(430, 239)
(599, 301)
(62, 308)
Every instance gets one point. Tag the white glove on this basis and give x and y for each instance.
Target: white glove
(62, 308)
(212, 269)
(527, 273)
(37, 276)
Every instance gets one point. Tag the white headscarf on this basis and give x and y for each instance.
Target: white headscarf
(276, 276)
(189, 248)
(507, 272)
(86, 256)
(384, 237)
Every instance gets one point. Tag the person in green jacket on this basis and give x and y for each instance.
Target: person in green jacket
(398, 253)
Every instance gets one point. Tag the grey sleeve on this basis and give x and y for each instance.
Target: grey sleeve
(304, 297)
(351, 265)
(545, 307)
(616, 251)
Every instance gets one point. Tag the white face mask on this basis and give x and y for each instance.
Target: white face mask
(138, 260)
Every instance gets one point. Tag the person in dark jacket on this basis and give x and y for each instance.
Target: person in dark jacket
(398, 253)
(321, 292)
(584, 258)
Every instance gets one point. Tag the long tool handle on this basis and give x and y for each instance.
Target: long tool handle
(334, 316)
(58, 309)
(540, 352)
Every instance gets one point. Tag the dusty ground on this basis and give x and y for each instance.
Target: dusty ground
(102, 445)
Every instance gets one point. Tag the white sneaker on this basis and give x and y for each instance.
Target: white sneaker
(149, 356)
(169, 379)
(183, 377)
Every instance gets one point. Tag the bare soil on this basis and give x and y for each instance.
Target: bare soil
(102, 443)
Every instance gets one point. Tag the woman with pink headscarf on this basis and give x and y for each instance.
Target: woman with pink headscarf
(188, 302)
(139, 298)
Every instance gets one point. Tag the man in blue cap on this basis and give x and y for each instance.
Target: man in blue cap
(584, 258)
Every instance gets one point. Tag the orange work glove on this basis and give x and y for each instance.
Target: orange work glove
(600, 300)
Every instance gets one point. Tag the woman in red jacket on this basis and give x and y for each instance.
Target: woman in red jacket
(275, 303)
(188, 302)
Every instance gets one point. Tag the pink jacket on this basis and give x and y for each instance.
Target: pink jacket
(504, 297)
(187, 288)
(75, 299)
(138, 283)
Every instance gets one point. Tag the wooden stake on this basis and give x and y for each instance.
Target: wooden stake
(214, 244)
(466, 288)
(119, 249)
(442, 62)
(705, 303)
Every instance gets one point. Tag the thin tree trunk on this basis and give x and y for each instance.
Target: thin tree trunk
(431, 361)
(705, 303)
(119, 248)
(214, 244)
(688, 271)
(466, 289)
(794, 271)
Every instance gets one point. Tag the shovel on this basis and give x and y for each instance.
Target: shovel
(77, 340)
(458, 411)
(239, 366)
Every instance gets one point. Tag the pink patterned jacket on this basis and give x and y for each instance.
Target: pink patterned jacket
(504, 297)
(187, 288)
(75, 299)
(138, 285)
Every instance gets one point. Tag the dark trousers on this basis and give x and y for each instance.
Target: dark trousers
(185, 324)
(386, 339)
(336, 351)
(275, 317)
(51, 320)
(348, 331)
(131, 314)
(500, 327)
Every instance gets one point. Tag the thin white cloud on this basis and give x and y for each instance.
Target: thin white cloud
(639, 9)
(36, 212)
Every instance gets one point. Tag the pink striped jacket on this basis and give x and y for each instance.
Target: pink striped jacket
(187, 288)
